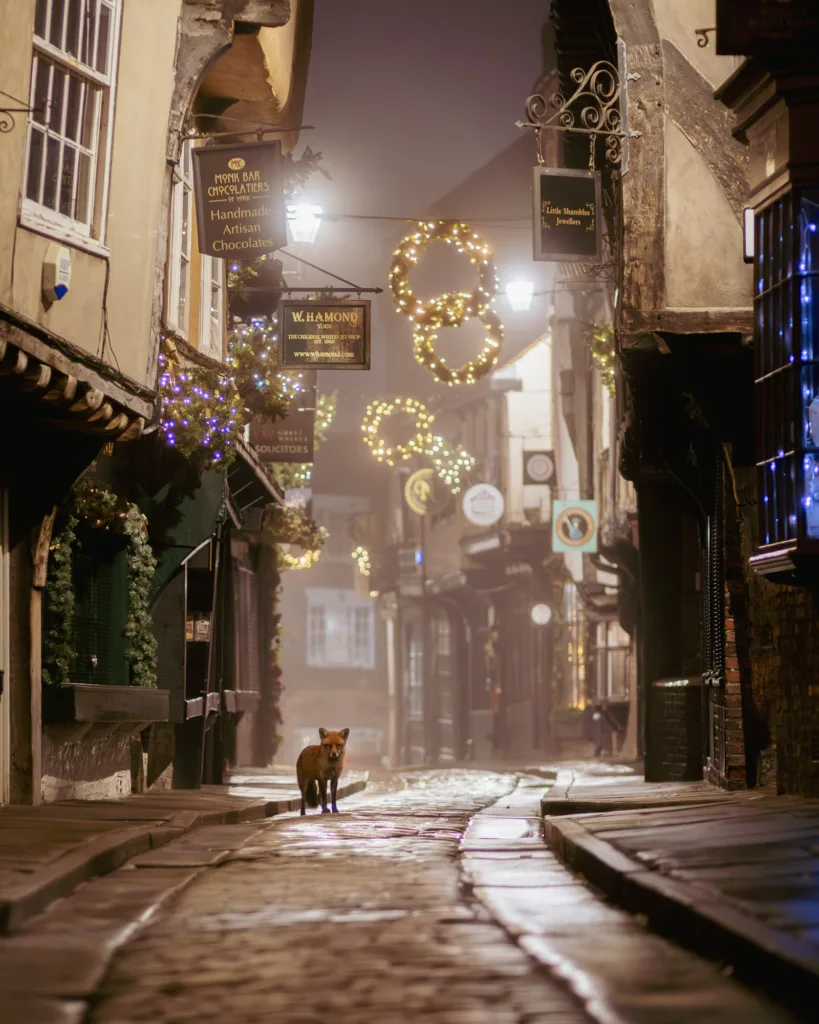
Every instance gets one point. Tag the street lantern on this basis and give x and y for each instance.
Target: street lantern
(304, 221)
(520, 295)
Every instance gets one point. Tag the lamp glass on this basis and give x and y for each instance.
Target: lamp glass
(541, 614)
(304, 221)
(520, 295)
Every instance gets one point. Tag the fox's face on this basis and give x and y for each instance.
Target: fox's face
(333, 744)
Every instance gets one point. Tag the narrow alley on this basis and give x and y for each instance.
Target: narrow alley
(431, 896)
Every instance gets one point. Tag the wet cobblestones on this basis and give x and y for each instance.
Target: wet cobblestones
(352, 917)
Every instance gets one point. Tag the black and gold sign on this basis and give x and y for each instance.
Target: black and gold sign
(240, 211)
(566, 215)
(331, 335)
(290, 439)
(759, 28)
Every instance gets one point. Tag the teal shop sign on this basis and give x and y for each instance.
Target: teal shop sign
(574, 526)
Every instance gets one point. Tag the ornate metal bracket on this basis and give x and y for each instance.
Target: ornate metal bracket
(7, 121)
(593, 109)
(702, 36)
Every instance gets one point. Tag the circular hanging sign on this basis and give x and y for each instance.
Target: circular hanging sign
(483, 505)
(575, 526)
(541, 614)
(421, 493)
(539, 467)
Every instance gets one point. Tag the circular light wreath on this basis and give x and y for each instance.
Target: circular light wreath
(379, 411)
(450, 309)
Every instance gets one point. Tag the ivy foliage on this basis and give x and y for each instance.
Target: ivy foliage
(98, 508)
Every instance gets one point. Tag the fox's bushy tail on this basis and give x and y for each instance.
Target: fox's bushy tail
(311, 793)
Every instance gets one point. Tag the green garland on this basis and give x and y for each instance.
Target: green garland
(59, 653)
(100, 509)
(140, 641)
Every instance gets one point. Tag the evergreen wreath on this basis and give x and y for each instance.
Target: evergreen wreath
(100, 509)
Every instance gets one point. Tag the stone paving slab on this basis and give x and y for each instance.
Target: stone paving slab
(45, 852)
(736, 878)
(620, 971)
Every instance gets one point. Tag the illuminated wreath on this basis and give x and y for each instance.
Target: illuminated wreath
(451, 463)
(381, 449)
(450, 309)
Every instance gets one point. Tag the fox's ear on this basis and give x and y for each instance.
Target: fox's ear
(322, 733)
(344, 734)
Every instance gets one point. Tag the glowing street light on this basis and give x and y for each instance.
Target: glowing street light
(304, 221)
(520, 295)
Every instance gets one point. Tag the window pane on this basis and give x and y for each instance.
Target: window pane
(55, 34)
(73, 26)
(89, 117)
(42, 73)
(90, 37)
(181, 318)
(83, 212)
(184, 220)
(40, 18)
(104, 41)
(73, 114)
(35, 165)
(67, 181)
(52, 173)
(55, 110)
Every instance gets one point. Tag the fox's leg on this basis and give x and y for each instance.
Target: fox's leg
(333, 792)
(303, 809)
(323, 792)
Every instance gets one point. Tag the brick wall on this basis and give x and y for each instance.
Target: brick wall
(784, 657)
(675, 718)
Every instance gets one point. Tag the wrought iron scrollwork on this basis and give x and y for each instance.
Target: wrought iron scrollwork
(593, 109)
(7, 121)
(702, 36)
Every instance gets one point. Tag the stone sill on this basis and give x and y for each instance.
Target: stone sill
(110, 705)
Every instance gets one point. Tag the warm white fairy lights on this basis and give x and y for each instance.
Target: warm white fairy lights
(450, 309)
(450, 462)
(381, 410)
(362, 557)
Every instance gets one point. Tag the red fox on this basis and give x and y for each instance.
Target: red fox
(319, 764)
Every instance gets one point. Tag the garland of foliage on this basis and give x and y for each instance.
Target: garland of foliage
(277, 687)
(141, 645)
(291, 525)
(59, 653)
(263, 390)
(200, 410)
(601, 345)
(100, 509)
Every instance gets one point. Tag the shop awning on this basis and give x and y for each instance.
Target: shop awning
(249, 486)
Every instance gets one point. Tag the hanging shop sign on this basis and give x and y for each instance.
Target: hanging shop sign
(290, 439)
(240, 212)
(423, 493)
(574, 526)
(330, 335)
(566, 215)
(759, 28)
(483, 505)
(538, 468)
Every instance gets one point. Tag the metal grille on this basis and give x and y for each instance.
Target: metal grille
(93, 628)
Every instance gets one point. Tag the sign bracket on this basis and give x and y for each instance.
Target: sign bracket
(593, 109)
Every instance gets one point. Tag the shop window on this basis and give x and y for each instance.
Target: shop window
(787, 370)
(68, 145)
(415, 678)
(212, 315)
(613, 660)
(100, 596)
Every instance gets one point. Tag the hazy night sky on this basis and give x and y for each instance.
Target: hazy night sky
(408, 101)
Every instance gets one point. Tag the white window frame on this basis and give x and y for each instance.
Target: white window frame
(338, 610)
(35, 215)
(208, 323)
(179, 244)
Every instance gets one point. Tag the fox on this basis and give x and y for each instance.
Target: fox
(319, 764)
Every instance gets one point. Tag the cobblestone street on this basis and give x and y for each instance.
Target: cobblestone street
(404, 906)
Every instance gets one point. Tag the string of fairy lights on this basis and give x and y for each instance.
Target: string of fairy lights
(452, 463)
(449, 309)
